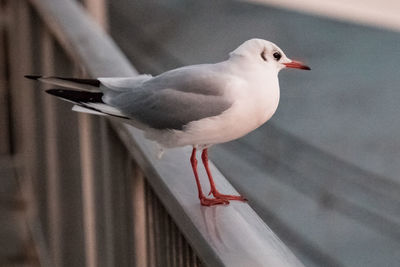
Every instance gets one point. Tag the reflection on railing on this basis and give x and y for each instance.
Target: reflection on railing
(98, 196)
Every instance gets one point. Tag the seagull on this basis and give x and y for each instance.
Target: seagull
(198, 105)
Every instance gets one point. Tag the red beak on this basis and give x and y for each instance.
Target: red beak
(297, 65)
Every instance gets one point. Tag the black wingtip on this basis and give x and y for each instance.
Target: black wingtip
(33, 77)
(77, 96)
(55, 92)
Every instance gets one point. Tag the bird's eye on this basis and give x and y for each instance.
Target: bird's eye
(277, 56)
(263, 56)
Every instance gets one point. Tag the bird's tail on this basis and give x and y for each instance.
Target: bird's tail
(84, 93)
(87, 102)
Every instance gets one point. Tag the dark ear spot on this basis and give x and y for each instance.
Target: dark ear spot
(263, 55)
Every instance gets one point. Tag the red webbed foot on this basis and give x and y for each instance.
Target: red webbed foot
(213, 201)
(218, 195)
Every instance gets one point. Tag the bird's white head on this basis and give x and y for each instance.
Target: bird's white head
(265, 54)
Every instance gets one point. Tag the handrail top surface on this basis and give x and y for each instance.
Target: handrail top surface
(231, 235)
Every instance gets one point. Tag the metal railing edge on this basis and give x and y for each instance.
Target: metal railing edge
(221, 236)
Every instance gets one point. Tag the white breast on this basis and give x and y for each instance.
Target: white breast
(252, 107)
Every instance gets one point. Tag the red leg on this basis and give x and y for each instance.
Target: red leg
(203, 199)
(214, 191)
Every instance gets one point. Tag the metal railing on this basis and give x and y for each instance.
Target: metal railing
(99, 195)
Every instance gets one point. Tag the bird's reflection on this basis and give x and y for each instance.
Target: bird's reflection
(236, 241)
(211, 223)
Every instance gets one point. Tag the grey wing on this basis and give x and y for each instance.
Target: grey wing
(113, 86)
(164, 103)
(123, 83)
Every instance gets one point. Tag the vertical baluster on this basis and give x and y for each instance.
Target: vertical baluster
(86, 127)
(187, 252)
(178, 249)
(182, 248)
(155, 226)
(51, 150)
(98, 10)
(139, 217)
(156, 229)
(174, 243)
(163, 221)
(167, 239)
(112, 175)
(24, 106)
(4, 94)
(95, 169)
(193, 258)
(19, 39)
(67, 193)
(150, 227)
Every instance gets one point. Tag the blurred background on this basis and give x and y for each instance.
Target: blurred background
(323, 173)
